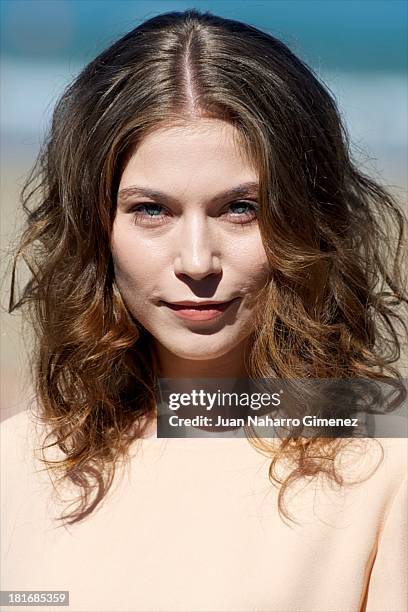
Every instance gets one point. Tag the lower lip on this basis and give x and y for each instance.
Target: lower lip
(212, 311)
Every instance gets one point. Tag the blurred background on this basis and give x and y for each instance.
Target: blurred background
(358, 48)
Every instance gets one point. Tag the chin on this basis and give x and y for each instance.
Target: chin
(197, 353)
(202, 348)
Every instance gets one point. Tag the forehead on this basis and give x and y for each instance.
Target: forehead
(205, 154)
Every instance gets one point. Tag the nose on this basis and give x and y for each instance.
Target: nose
(198, 250)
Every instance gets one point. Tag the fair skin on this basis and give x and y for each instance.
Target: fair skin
(192, 242)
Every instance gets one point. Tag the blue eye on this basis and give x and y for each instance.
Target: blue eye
(242, 207)
(152, 210)
(148, 213)
(151, 213)
(242, 212)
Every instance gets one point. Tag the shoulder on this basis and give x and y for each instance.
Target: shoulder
(396, 449)
(377, 459)
(380, 472)
(23, 477)
(388, 586)
(28, 496)
(393, 470)
(394, 466)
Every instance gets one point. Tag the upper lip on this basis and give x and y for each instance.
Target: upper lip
(201, 303)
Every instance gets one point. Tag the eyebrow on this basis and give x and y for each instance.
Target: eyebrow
(243, 190)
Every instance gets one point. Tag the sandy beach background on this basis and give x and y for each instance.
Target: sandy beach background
(373, 100)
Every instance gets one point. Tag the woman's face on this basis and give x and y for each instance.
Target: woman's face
(186, 231)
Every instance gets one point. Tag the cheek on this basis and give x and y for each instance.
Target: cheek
(130, 276)
(134, 261)
(131, 267)
(251, 261)
(130, 273)
(134, 283)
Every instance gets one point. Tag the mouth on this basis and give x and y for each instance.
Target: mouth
(199, 311)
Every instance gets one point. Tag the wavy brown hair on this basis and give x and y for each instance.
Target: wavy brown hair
(333, 236)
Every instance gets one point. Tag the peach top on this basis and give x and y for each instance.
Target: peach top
(194, 526)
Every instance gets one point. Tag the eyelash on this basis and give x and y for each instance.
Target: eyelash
(141, 219)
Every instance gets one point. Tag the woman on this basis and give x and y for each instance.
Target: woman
(199, 216)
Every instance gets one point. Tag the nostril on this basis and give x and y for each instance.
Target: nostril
(204, 285)
(197, 276)
(197, 268)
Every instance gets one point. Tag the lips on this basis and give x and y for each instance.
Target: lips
(199, 311)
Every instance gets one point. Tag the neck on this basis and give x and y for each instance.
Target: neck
(231, 365)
